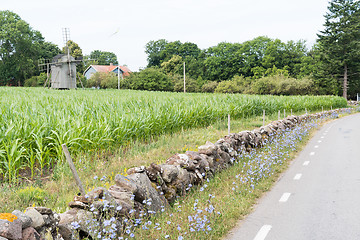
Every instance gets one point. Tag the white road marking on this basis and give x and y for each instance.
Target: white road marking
(284, 197)
(297, 176)
(322, 137)
(263, 232)
(312, 153)
(316, 146)
(306, 163)
(319, 141)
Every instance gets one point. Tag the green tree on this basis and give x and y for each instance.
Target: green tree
(20, 47)
(103, 58)
(151, 79)
(74, 48)
(76, 52)
(154, 51)
(48, 50)
(223, 61)
(174, 65)
(340, 41)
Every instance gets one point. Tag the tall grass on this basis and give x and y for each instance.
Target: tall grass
(35, 122)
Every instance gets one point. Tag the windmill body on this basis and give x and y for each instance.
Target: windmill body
(62, 67)
(63, 72)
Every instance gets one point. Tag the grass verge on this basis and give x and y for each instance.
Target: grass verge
(205, 213)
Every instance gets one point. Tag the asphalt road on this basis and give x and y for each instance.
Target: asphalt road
(318, 197)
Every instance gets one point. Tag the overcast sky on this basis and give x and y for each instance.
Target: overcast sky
(124, 27)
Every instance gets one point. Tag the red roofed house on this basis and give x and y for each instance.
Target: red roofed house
(124, 71)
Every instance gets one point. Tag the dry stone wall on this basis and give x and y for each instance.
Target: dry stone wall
(145, 190)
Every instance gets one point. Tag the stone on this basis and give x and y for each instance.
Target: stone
(30, 234)
(193, 155)
(245, 138)
(207, 149)
(68, 217)
(153, 172)
(78, 204)
(204, 165)
(182, 181)
(150, 194)
(48, 221)
(37, 219)
(96, 194)
(25, 219)
(11, 229)
(170, 172)
(130, 185)
(120, 194)
(223, 145)
(258, 138)
(232, 140)
(65, 232)
(82, 217)
(180, 159)
(211, 162)
(44, 210)
(136, 170)
(225, 157)
(123, 208)
(171, 194)
(84, 199)
(200, 159)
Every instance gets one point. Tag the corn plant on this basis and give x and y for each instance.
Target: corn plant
(32, 128)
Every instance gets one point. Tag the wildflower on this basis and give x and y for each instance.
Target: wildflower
(75, 225)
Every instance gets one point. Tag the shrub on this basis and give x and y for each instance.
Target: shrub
(209, 86)
(31, 82)
(110, 80)
(282, 85)
(191, 84)
(36, 81)
(103, 80)
(151, 79)
(229, 86)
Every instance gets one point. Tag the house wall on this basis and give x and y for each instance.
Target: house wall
(116, 70)
(89, 72)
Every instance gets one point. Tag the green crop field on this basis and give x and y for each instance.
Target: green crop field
(35, 122)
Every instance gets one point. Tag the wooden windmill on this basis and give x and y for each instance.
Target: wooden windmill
(62, 67)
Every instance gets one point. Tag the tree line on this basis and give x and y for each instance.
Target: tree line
(258, 66)
(263, 65)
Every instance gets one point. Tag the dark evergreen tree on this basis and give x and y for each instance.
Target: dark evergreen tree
(340, 43)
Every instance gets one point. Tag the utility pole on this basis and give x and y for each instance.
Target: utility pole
(118, 77)
(184, 80)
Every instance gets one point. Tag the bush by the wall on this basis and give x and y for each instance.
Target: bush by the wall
(209, 87)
